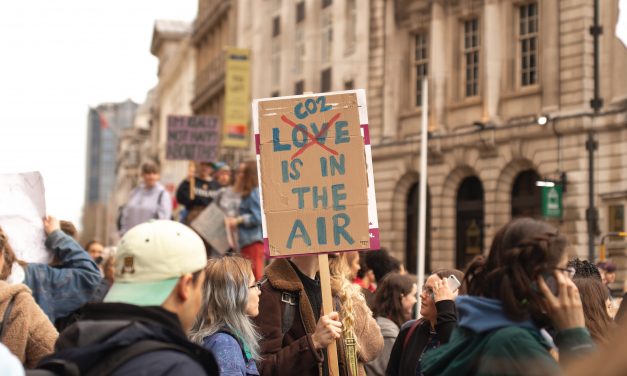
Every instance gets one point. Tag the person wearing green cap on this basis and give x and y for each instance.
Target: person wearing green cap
(140, 328)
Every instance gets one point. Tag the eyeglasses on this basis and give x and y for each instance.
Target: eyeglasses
(257, 285)
(570, 271)
(429, 291)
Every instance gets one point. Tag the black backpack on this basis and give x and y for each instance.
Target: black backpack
(109, 363)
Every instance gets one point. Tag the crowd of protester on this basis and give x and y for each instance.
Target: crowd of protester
(163, 301)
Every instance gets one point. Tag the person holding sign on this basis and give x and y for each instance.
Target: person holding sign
(202, 193)
(59, 290)
(294, 332)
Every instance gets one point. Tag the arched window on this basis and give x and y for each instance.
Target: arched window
(470, 221)
(526, 197)
(411, 237)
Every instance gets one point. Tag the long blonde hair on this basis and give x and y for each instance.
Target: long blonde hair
(347, 292)
(225, 297)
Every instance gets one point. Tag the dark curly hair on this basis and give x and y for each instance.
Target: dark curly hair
(521, 251)
(584, 269)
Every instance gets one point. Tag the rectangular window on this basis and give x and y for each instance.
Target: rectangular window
(300, 11)
(325, 80)
(421, 64)
(351, 25)
(299, 50)
(299, 87)
(275, 94)
(528, 42)
(326, 3)
(349, 85)
(276, 26)
(327, 36)
(471, 57)
(276, 61)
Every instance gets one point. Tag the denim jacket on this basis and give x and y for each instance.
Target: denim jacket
(249, 230)
(62, 289)
(230, 356)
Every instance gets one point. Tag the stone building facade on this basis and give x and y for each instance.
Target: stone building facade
(494, 67)
(174, 93)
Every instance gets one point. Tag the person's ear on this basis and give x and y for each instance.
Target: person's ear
(184, 287)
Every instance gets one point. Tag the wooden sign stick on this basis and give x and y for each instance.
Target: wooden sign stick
(192, 181)
(327, 307)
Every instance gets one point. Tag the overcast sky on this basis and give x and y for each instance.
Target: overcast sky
(58, 58)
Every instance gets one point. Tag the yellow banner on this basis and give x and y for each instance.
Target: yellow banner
(236, 125)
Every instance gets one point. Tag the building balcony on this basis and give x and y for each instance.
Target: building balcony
(208, 16)
(209, 81)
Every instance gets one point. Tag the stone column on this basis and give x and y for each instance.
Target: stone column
(492, 53)
(437, 66)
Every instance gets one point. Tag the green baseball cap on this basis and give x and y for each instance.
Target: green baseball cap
(150, 259)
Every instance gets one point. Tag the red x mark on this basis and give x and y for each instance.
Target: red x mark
(314, 139)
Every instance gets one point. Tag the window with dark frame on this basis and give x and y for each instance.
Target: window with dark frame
(528, 42)
(299, 87)
(421, 64)
(326, 25)
(471, 57)
(325, 80)
(276, 26)
(350, 33)
(300, 11)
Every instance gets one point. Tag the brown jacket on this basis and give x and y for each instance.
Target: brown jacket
(293, 353)
(28, 333)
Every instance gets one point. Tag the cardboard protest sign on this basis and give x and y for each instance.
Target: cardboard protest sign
(315, 173)
(210, 224)
(193, 138)
(22, 209)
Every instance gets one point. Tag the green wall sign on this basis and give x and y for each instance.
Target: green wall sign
(552, 202)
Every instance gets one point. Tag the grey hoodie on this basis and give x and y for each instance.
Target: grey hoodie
(390, 331)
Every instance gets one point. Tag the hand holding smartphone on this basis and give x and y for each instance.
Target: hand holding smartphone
(446, 293)
(453, 283)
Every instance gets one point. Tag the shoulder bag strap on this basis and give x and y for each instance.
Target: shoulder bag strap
(5, 318)
(411, 331)
(118, 357)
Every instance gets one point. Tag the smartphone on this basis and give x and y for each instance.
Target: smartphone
(453, 283)
(550, 281)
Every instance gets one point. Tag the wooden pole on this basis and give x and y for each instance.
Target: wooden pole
(192, 180)
(327, 307)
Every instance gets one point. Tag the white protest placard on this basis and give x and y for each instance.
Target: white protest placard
(22, 209)
(210, 225)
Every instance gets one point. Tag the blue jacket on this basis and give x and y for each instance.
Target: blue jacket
(60, 290)
(249, 230)
(230, 356)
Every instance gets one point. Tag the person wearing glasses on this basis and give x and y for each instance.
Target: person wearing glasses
(521, 287)
(417, 337)
(224, 326)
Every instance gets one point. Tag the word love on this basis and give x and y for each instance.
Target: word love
(300, 135)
